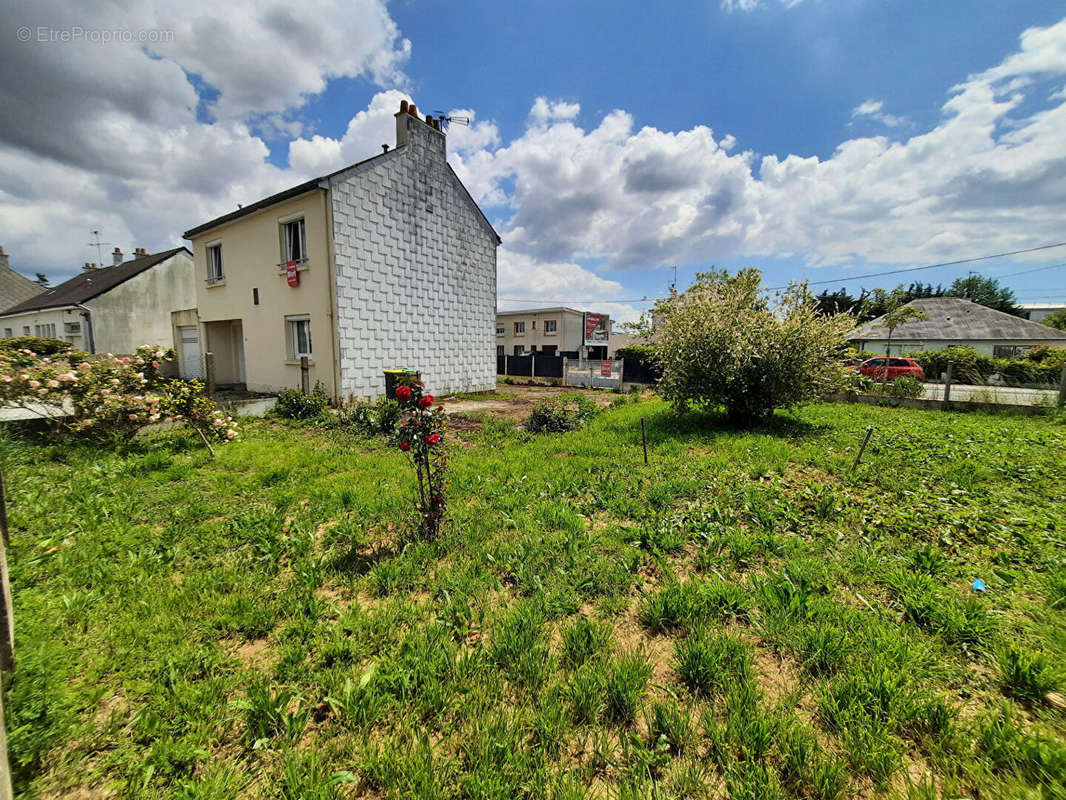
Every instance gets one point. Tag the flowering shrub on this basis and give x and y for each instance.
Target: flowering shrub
(107, 396)
(420, 435)
(294, 404)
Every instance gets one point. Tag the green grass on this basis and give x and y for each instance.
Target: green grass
(742, 617)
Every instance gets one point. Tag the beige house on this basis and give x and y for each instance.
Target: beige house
(558, 331)
(386, 263)
(111, 309)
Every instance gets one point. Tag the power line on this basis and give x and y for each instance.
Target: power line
(927, 266)
(1027, 271)
(564, 302)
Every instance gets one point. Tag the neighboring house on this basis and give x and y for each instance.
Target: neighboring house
(111, 309)
(15, 287)
(387, 263)
(558, 331)
(1037, 311)
(954, 321)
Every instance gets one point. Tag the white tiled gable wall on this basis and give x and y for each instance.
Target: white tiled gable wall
(416, 273)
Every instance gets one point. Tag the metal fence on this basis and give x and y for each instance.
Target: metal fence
(574, 371)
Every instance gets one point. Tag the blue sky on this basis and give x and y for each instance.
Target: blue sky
(610, 142)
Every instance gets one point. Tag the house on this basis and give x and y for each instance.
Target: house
(1038, 311)
(15, 287)
(955, 321)
(386, 263)
(558, 331)
(111, 309)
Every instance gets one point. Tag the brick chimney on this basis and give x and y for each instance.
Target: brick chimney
(3, 259)
(139, 251)
(89, 267)
(116, 257)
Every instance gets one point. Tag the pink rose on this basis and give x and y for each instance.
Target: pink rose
(52, 384)
(133, 416)
(126, 360)
(85, 365)
(34, 384)
(105, 392)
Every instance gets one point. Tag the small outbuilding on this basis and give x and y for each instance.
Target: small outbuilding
(952, 321)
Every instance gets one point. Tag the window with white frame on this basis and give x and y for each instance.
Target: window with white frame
(71, 327)
(519, 328)
(299, 330)
(293, 241)
(25, 330)
(500, 329)
(215, 274)
(48, 329)
(550, 326)
(8, 333)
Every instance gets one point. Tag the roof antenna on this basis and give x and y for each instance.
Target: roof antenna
(99, 247)
(446, 120)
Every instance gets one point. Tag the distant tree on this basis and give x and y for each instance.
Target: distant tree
(839, 302)
(898, 315)
(1056, 320)
(42, 280)
(985, 291)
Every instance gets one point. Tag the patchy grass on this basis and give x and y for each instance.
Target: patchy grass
(741, 617)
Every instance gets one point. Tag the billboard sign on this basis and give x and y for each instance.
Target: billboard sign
(597, 328)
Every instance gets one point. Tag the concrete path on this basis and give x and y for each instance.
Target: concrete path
(967, 393)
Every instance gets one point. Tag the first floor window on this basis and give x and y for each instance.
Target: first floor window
(48, 329)
(8, 333)
(294, 241)
(500, 330)
(499, 350)
(25, 330)
(214, 264)
(518, 349)
(549, 326)
(299, 336)
(519, 328)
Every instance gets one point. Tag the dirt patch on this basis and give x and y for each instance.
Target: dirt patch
(777, 677)
(255, 654)
(512, 402)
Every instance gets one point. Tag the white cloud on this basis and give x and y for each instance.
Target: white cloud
(545, 111)
(875, 109)
(750, 5)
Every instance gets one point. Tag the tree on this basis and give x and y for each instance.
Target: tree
(985, 291)
(898, 315)
(720, 343)
(42, 280)
(1056, 320)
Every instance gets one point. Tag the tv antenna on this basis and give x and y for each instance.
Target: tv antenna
(674, 285)
(98, 245)
(449, 120)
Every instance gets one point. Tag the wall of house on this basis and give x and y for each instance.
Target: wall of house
(877, 347)
(415, 269)
(25, 324)
(137, 311)
(567, 338)
(251, 254)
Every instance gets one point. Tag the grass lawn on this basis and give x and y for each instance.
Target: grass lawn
(741, 618)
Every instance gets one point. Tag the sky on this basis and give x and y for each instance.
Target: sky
(610, 142)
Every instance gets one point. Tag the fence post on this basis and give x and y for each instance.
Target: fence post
(1062, 387)
(209, 372)
(621, 373)
(947, 385)
(305, 376)
(564, 370)
(7, 618)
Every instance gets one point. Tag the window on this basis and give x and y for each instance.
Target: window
(518, 349)
(25, 330)
(255, 296)
(500, 351)
(519, 328)
(214, 264)
(533, 348)
(293, 241)
(548, 349)
(1008, 350)
(71, 327)
(549, 326)
(48, 329)
(8, 333)
(899, 362)
(500, 330)
(534, 324)
(299, 336)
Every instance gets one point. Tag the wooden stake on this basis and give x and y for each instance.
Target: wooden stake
(210, 449)
(869, 432)
(644, 439)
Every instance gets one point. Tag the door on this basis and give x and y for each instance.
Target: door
(190, 352)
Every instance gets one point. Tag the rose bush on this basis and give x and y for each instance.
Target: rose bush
(107, 396)
(420, 435)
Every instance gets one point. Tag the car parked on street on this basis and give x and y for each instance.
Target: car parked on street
(891, 368)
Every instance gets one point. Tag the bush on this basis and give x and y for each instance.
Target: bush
(904, 386)
(967, 365)
(40, 345)
(294, 404)
(720, 343)
(566, 412)
(371, 419)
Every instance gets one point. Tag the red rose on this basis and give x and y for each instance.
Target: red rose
(433, 438)
(405, 446)
(403, 393)
(422, 385)
(426, 401)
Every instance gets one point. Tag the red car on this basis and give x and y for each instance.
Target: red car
(897, 368)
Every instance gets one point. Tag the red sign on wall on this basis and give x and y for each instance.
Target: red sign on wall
(605, 368)
(292, 274)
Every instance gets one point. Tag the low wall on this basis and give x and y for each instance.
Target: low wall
(927, 404)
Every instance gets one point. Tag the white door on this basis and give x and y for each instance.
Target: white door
(190, 352)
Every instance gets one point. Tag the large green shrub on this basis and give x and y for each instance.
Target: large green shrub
(722, 343)
(967, 365)
(563, 413)
(39, 345)
(294, 404)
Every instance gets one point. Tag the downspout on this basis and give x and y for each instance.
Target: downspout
(87, 315)
(334, 312)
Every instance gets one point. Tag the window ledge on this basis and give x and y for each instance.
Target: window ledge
(301, 267)
(296, 363)
(215, 284)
